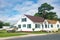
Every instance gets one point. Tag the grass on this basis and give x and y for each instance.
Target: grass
(35, 32)
(4, 33)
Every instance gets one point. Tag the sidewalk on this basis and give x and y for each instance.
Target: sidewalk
(29, 35)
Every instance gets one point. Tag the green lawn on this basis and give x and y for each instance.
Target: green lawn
(4, 33)
(35, 32)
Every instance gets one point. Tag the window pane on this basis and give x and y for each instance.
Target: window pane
(37, 25)
(57, 26)
(19, 26)
(45, 25)
(24, 25)
(28, 25)
(48, 25)
(42, 26)
(23, 19)
(51, 26)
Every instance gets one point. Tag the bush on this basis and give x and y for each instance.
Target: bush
(58, 29)
(10, 31)
(0, 26)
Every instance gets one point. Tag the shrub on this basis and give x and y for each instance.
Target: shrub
(10, 31)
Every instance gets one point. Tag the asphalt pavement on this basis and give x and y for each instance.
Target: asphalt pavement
(43, 37)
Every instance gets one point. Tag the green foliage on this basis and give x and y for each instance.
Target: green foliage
(58, 19)
(51, 15)
(36, 14)
(39, 15)
(1, 24)
(44, 7)
(43, 11)
(6, 24)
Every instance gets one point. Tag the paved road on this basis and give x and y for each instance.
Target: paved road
(45, 37)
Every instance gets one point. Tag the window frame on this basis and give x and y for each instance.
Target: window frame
(19, 26)
(46, 26)
(57, 25)
(24, 25)
(24, 19)
(51, 25)
(37, 25)
(28, 25)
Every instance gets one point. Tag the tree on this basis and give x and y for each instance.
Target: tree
(4, 24)
(1, 24)
(44, 11)
(36, 14)
(58, 19)
(7, 24)
(45, 7)
(51, 15)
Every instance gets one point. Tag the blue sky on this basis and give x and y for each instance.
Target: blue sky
(10, 10)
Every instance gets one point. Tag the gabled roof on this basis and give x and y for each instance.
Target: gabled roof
(52, 21)
(35, 19)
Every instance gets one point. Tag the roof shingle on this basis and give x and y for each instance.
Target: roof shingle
(52, 21)
(35, 19)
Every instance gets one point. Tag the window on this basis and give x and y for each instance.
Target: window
(48, 25)
(51, 26)
(45, 25)
(23, 19)
(28, 25)
(42, 26)
(37, 25)
(57, 26)
(19, 26)
(24, 25)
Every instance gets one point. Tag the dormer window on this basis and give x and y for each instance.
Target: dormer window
(24, 20)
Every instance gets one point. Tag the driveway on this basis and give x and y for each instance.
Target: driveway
(44, 37)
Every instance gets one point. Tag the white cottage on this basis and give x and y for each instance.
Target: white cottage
(51, 25)
(33, 23)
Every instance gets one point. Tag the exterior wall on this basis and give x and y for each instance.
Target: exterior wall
(54, 27)
(49, 28)
(58, 23)
(38, 29)
(27, 22)
(27, 29)
(6, 27)
(45, 22)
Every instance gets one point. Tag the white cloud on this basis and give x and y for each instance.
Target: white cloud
(57, 9)
(13, 19)
(27, 8)
(5, 4)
